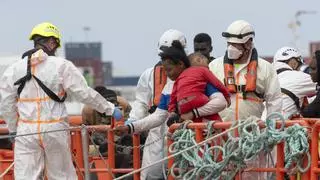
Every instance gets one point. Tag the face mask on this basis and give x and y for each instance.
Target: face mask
(233, 52)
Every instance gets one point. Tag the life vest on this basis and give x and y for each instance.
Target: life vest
(159, 81)
(22, 81)
(291, 94)
(251, 75)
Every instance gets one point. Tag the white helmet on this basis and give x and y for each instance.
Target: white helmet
(286, 53)
(239, 31)
(169, 36)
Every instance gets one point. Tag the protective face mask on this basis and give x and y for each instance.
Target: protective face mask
(233, 52)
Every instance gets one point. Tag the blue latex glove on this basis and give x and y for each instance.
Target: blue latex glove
(117, 114)
(128, 121)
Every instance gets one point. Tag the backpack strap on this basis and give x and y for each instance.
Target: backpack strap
(289, 93)
(292, 96)
(282, 70)
(22, 82)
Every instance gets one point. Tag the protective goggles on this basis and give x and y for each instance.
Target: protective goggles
(239, 36)
(299, 59)
(162, 48)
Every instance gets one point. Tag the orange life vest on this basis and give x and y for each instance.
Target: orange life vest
(159, 81)
(305, 102)
(251, 75)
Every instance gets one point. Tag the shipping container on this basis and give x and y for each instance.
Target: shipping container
(83, 51)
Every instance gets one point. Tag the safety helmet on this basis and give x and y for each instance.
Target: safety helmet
(285, 53)
(169, 36)
(239, 31)
(46, 29)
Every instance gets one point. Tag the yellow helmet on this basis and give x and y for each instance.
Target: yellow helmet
(46, 29)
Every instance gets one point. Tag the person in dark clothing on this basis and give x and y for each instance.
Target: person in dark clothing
(313, 109)
(5, 144)
(123, 155)
(202, 43)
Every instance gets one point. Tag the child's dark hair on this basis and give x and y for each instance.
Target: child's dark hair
(175, 53)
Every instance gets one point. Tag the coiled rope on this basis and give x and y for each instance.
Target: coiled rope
(200, 162)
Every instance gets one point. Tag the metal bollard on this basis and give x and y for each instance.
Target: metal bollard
(84, 138)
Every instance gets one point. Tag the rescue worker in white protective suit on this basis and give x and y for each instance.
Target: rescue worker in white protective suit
(148, 93)
(33, 91)
(295, 85)
(216, 103)
(250, 79)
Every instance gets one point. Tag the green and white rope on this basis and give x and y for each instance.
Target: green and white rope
(201, 162)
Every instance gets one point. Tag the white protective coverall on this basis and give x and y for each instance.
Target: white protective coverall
(144, 95)
(154, 150)
(298, 82)
(240, 109)
(145, 91)
(267, 85)
(140, 107)
(35, 112)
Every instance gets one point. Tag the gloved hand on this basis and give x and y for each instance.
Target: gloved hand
(128, 121)
(173, 118)
(117, 114)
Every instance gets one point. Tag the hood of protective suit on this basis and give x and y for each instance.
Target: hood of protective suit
(279, 65)
(38, 57)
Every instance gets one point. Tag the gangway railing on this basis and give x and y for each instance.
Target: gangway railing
(80, 140)
(313, 126)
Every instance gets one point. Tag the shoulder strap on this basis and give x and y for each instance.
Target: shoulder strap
(292, 96)
(50, 93)
(282, 70)
(22, 81)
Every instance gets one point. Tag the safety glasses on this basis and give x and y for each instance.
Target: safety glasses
(239, 36)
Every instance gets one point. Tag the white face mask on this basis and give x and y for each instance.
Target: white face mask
(233, 52)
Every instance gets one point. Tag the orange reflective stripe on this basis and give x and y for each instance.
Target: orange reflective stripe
(38, 112)
(33, 99)
(159, 81)
(229, 77)
(40, 121)
(305, 102)
(237, 107)
(47, 98)
(33, 69)
(251, 76)
(237, 99)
